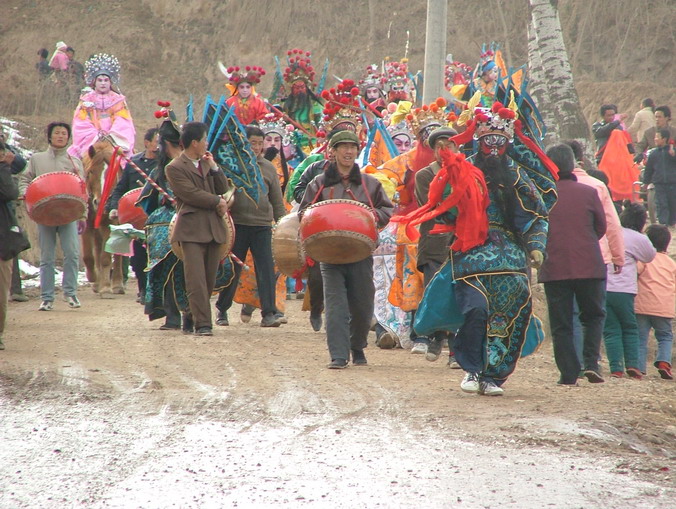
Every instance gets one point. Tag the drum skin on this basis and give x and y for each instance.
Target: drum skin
(56, 198)
(128, 212)
(287, 250)
(225, 248)
(338, 231)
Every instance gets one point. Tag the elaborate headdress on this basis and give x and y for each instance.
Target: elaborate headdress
(299, 67)
(372, 79)
(341, 107)
(169, 129)
(102, 63)
(427, 117)
(402, 128)
(456, 73)
(487, 58)
(274, 123)
(250, 74)
(396, 75)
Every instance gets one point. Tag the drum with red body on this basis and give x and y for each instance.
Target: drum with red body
(287, 250)
(128, 212)
(56, 198)
(338, 231)
(224, 248)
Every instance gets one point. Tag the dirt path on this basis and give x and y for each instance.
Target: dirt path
(99, 408)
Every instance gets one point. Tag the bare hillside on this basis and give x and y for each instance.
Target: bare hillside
(620, 51)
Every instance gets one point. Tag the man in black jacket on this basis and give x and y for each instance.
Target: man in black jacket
(660, 170)
(131, 179)
(602, 129)
(8, 193)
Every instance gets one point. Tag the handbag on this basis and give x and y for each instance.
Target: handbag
(12, 240)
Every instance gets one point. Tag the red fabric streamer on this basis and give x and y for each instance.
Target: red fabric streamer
(468, 193)
(109, 183)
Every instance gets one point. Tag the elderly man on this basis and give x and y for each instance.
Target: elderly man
(348, 288)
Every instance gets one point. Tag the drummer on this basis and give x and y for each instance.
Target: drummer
(348, 288)
(130, 180)
(56, 158)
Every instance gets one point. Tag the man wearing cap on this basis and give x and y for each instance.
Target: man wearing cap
(433, 249)
(348, 288)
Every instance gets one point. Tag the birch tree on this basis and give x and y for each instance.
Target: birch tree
(558, 99)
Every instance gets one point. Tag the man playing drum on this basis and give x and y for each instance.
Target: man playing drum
(56, 159)
(348, 287)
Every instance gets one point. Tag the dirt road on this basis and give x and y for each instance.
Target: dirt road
(99, 408)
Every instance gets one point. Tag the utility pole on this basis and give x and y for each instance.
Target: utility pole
(435, 50)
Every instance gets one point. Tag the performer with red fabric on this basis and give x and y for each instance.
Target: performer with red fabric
(249, 107)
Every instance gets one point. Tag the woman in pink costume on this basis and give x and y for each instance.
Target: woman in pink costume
(101, 110)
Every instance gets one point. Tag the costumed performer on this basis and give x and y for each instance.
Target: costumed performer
(249, 107)
(102, 111)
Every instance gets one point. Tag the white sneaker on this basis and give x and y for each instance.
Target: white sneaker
(47, 305)
(490, 389)
(419, 348)
(470, 383)
(72, 301)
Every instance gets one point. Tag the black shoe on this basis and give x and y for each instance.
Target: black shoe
(434, 348)
(270, 321)
(337, 364)
(358, 358)
(166, 326)
(593, 377)
(316, 322)
(222, 318)
(204, 331)
(188, 324)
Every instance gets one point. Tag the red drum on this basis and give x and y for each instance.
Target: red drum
(56, 198)
(225, 248)
(287, 250)
(128, 212)
(338, 231)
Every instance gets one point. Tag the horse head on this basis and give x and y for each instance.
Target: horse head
(95, 163)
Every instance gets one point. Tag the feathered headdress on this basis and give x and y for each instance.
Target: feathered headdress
(341, 107)
(299, 67)
(169, 129)
(102, 63)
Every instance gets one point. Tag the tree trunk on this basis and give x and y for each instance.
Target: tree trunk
(561, 102)
(537, 86)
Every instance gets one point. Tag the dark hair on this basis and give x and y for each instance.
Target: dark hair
(633, 216)
(70, 48)
(53, 125)
(150, 134)
(607, 107)
(660, 236)
(578, 151)
(600, 175)
(664, 133)
(648, 103)
(563, 157)
(664, 109)
(43, 52)
(252, 130)
(192, 131)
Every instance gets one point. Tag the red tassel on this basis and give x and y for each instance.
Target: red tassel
(111, 176)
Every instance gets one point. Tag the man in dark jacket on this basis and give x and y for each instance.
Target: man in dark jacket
(574, 270)
(130, 180)
(660, 170)
(348, 288)
(253, 230)
(605, 126)
(9, 192)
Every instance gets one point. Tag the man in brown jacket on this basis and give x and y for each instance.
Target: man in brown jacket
(198, 182)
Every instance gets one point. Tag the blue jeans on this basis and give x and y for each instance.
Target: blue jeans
(70, 245)
(663, 335)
